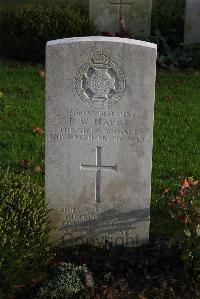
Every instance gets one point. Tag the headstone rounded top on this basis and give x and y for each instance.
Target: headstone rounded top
(101, 39)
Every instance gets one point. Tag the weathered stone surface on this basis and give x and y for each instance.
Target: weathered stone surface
(192, 21)
(137, 14)
(99, 126)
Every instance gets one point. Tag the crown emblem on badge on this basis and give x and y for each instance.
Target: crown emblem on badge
(100, 59)
(100, 82)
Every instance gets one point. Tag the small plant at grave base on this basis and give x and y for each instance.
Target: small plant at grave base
(123, 32)
(24, 233)
(185, 208)
(65, 280)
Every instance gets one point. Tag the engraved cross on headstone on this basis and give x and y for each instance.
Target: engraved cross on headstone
(98, 167)
(120, 5)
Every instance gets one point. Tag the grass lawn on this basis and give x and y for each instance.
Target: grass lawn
(176, 151)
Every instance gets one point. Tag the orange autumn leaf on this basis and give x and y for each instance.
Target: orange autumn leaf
(38, 131)
(38, 169)
(25, 163)
(42, 74)
(185, 184)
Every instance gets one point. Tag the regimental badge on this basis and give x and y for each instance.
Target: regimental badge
(100, 82)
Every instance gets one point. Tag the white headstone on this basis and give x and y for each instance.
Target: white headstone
(136, 13)
(99, 128)
(192, 21)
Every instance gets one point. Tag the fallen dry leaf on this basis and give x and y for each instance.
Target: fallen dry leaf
(38, 131)
(185, 184)
(38, 169)
(183, 218)
(12, 114)
(181, 193)
(166, 190)
(192, 181)
(54, 261)
(42, 74)
(179, 201)
(179, 81)
(168, 98)
(25, 163)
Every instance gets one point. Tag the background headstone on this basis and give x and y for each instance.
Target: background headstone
(137, 15)
(192, 21)
(99, 127)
